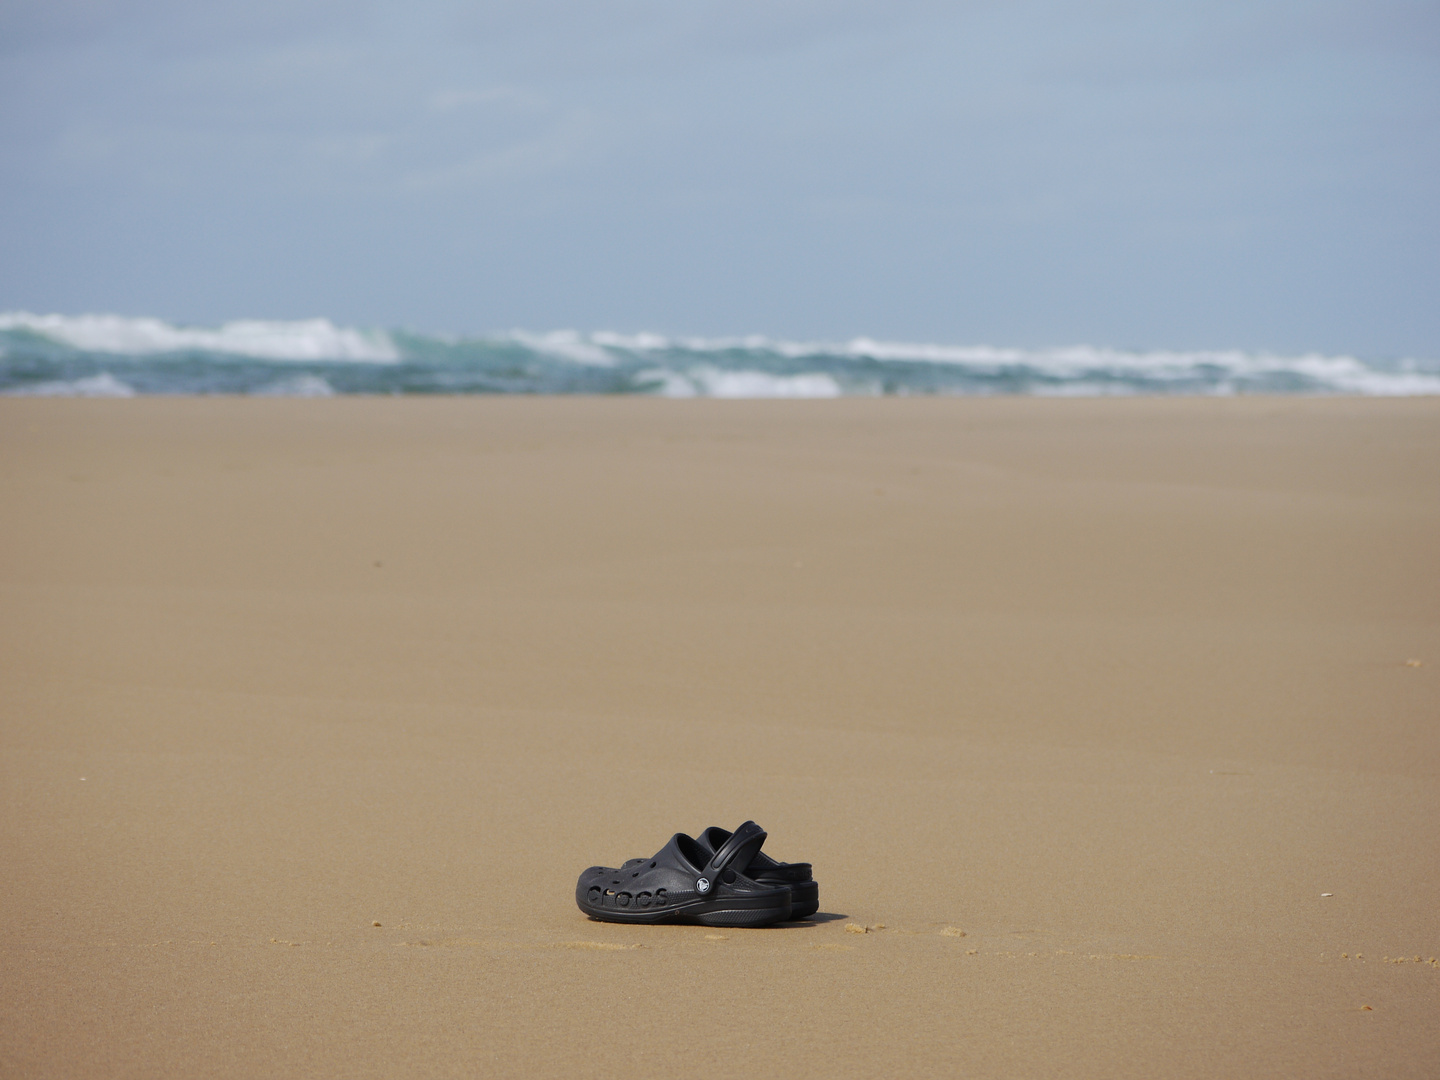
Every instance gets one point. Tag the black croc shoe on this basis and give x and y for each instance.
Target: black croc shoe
(804, 889)
(687, 883)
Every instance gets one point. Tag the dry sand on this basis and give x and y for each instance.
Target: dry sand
(1123, 690)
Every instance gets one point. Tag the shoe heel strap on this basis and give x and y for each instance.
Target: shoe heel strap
(742, 846)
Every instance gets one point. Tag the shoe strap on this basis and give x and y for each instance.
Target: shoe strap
(742, 846)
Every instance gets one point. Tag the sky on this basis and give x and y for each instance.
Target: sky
(1167, 174)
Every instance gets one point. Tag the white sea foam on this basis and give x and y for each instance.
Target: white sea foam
(642, 342)
(1088, 366)
(300, 386)
(1345, 374)
(305, 339)
(715, 382)
(1081, 388)
(670, 384)
(103, 385)
(567, 345)
(742, 366)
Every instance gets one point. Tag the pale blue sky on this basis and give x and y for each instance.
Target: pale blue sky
(1160, 175)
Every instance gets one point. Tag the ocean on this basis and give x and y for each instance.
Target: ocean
(121, 356)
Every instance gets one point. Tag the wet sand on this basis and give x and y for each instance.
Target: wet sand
(1112, 729)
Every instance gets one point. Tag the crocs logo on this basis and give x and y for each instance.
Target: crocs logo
(702, 886)
(598, 897)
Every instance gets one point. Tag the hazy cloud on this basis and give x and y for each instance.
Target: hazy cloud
(1172, 174)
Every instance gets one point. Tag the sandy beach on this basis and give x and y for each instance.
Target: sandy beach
(1111, 727)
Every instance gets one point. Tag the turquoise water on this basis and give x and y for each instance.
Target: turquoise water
(94, 355)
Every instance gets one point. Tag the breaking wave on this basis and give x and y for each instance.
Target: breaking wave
(306, 339)
(112, 355)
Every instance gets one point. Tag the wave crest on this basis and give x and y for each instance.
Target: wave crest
(303, 339)
(313, 357)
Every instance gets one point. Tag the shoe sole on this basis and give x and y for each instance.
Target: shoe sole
(727, 911)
